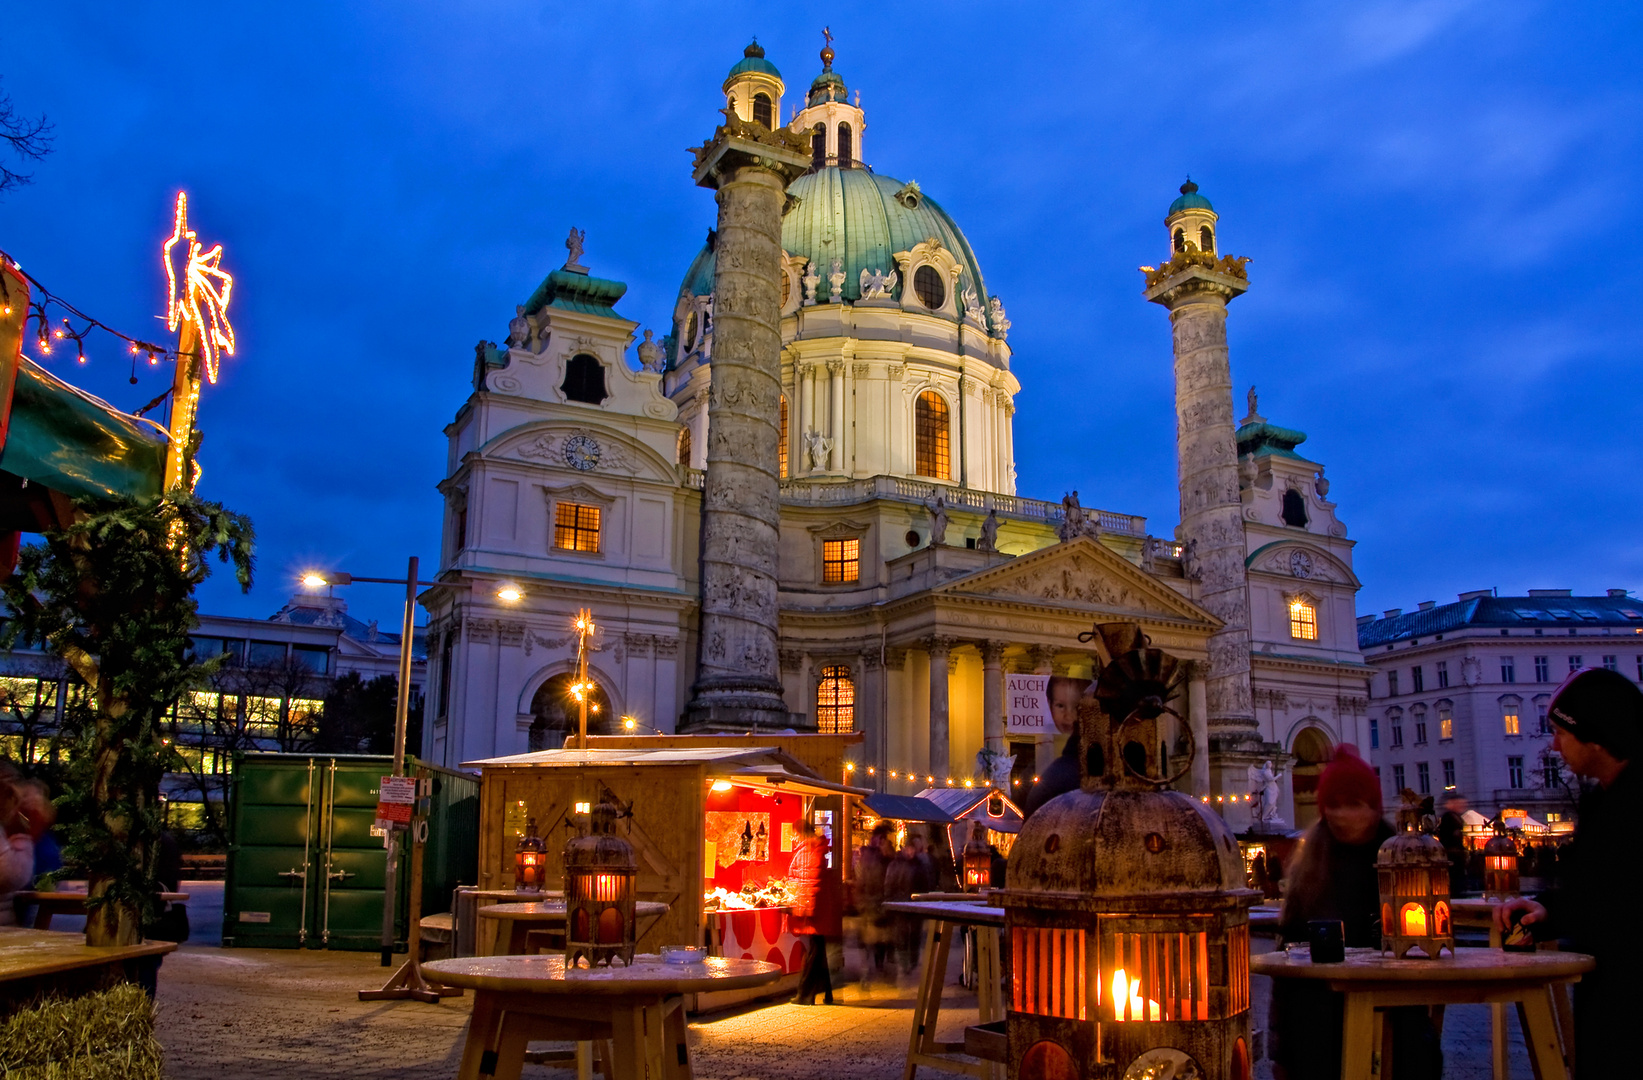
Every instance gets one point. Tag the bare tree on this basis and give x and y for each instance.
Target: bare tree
(29, 139)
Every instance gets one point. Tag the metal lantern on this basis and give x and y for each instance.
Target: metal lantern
(1414, 887)
(599, 882)
(529, 855)
(1125, 901)
(978, 859)
(1500, 870)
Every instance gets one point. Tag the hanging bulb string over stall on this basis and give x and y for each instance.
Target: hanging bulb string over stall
(65, 330)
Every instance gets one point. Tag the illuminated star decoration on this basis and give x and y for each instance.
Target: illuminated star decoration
(199, 290)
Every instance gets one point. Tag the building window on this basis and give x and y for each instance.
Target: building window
(841, 561)
(1391, 684)
(1543, 723)
(1443, 674)
(930, 289)
(1417, 679)
(1179, 239)
(1397, 730)
(1206, 239)
(1551, 771)
(1397, 778)
(1575, 664)
(1514, 772)
(1423, 777)
(762, 113)
(930, 423)
(846, 146)
(1543, 668)
(684, 446)
(1420, 729)
(1612, 663)
(1508, 669)
(584, 380)
(1448, 772)
(1303, 619)
(781, 446)
(818, 146)
(575, 527)
(1640, 669)
(1294, 510)
(1446, 723)
(836, 701)
(1374, 733)
(1509, 720)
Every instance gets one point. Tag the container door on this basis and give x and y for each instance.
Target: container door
(271, 888)
(352, 861)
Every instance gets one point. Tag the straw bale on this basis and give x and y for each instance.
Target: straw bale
(101, 1036)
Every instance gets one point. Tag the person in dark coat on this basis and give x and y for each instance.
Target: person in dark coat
(908, 873)
(1062, 776)
(1452, 835)
(1334, 878)
(1597, 718)
(817, 912)
(876, 933)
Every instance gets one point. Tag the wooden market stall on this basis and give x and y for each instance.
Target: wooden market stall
(712, 827)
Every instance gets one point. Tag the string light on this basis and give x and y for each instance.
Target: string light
(47, 333)
(205, 291)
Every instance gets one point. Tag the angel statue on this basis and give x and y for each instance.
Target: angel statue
(1263, 791)
(573, 244)
(995, 765)
(876, 284)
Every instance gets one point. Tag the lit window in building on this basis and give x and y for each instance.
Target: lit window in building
(1446, 723)
(836, 701)
(931, 447)
(1303, 624)
(762, 113)
(1510, 719)
(1543, 668)
(684, 446)
(781, 446)
(841, 560)
(1514, 772)
(575, 527)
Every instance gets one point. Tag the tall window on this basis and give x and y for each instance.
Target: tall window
(1509, 720)
(584, 380)
(1612, 663)
(1397, 778)
(1374, 733)
(1179, 239)
(1206, 239)
(841, 560)
(1543, 723)
(818, 146)
(1420, 729)
(1423, 777)
(575, 527)
(762, 113)
(1443, 673)
(1417, 679)
(1294, 509)
(1575, 664)
(1303, 619)
(1543, 668)
(1448, 772)
(1551, 771)
(684, 446)
(846, 145)
(1391, 684)
(781, 447)
(836, 701)
(1514, 772)
(1446, 723)
(1396, 720)
(1508, 669)
(931, 448)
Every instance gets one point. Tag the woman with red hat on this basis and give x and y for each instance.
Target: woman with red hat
(1333, 877)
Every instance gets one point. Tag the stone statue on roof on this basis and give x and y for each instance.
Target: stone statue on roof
(573, 244)
(938, 521)
(989, 532)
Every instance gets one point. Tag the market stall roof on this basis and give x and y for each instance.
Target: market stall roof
(906, 808)
(721, 756)
(971, 804)
(777, 778)
(1474, 820)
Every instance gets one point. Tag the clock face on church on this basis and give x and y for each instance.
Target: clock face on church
(581, 452)
(1300, 564)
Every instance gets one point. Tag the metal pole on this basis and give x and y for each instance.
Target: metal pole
(401, 714)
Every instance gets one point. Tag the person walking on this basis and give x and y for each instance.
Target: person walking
(909, 872)
(1597, 728)
(1452, 835)
(871, 864)
(817, 912)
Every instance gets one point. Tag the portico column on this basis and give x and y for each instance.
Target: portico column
(1198, 721)
(835, 459)
(1042, 659)
(939, 648)
(992, 695)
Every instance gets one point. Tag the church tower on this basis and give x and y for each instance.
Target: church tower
(754, 87)
(1195, 285)
(832, 125)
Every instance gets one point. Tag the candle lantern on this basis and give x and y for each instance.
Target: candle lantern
(1500, 871)
(1125, 901)
(599, 883)
(978, 859)
(528, 858)
(1414, 886)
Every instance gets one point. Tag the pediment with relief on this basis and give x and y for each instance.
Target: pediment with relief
(1301, 561)
(580, 450)
(1081, 573)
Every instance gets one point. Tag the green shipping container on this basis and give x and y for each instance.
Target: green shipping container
(303, 867)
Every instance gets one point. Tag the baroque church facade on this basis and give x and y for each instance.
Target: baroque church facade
(911, 576)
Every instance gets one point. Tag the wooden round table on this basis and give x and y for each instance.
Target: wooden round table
(636, 1012)
(548, 916)
(1371, 980)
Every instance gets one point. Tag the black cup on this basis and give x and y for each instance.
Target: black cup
(1328, 940)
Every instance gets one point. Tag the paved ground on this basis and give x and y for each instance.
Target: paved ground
(254, 1013)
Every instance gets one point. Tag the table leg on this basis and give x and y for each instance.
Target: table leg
(482, 1031)
(1358, 1037)
(511, 1041)
(1540, 1035)
(989, 986)
(676, 1043)
(42, 918)
(584, 1061)
(636, 1036)
(518, 934)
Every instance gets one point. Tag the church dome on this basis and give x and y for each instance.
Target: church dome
(863, 219)
(1189, 200)
(752, 60)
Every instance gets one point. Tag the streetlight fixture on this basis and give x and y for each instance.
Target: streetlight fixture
(509, 593)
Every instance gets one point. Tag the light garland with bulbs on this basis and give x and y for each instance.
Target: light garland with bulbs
(927, 780)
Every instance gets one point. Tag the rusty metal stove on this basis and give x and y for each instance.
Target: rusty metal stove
(1126, 906)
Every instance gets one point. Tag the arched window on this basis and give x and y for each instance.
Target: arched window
(556, 713)
(836, 701)
(1206, 239)
(931, 290)
(781, 445)
(787, 288)
(690, 331)
(1303, 619)
(584, 380)
(846, 147)
(1180, 240)
(1294, 512)
(931, 456)
(761, 110)
(818, 146)
(684, 446)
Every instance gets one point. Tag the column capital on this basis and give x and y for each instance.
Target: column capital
(1041, 657)
(938, 645)
(835, 365)
(992, 652)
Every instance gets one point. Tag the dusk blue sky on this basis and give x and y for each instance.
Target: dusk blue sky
(1437, 199)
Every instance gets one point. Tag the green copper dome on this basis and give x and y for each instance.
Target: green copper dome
(753, 60)
(863, 219)
(1189, 200)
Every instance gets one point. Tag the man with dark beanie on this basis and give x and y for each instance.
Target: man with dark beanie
(1598, 729)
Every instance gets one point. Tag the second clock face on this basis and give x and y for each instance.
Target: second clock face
(1300, 564)
(581, 452)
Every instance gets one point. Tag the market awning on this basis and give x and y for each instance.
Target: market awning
(906, 808)
(778, 778)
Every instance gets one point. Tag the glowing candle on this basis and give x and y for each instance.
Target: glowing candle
(1126, 996)
(1414, 920)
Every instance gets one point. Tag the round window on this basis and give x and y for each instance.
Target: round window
(932, 291)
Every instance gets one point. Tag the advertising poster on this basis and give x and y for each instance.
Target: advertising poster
(1042, 704)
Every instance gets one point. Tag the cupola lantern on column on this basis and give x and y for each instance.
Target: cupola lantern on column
(1125, 901)
(754, 88)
